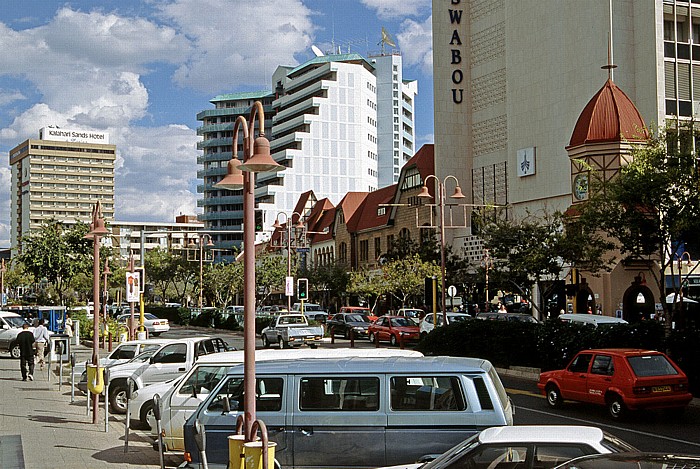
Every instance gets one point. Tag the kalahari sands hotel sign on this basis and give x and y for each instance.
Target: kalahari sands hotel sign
(72, 135)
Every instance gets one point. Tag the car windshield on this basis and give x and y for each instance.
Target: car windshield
(453, 453)
(458, 318)
(401, 322)
(356, 318)
(14, 321)
(150, 316)
(144, 356)
(292, 320)
(617, 445)
(651, 365)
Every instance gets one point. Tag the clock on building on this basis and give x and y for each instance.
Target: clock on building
(581, 186)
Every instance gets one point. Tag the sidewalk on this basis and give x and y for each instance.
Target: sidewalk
(40, 428)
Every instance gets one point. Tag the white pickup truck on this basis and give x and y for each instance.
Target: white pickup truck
(291, 330)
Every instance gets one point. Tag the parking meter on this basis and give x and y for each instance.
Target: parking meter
(89, 394)
(127, 422)
(156, 413)
(200, 439)
(106, 391)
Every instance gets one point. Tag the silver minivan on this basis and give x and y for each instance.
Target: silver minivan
(356, 412)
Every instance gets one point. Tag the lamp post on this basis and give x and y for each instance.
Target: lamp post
(256, 159)
(105, 273)
(290, 242)
(200, 243)
(487, 262)
(680, 277)
(97, 229)
(440, 194)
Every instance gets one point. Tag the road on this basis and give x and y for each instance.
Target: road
(648, 431)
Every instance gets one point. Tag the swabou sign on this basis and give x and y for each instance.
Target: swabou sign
(69, 135)
(456, 53)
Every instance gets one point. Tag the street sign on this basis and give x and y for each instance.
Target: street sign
(452, 291)
(289, 286)
(133, 286)
(303, 249)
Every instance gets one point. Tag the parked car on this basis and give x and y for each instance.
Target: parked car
(620, 379)
(154, 325)
(271, 310)
(355, 412)
(291, 330)
(413, 314)
(10, 327)
(426, 324)
(359, 309)
(594, 320)
(526, 447)
(345, 323)
(496, 316)
(633, 461)
(394, 329)
(312, 311)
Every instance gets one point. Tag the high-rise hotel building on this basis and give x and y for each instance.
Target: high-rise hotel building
(331, 121)
(60, 175)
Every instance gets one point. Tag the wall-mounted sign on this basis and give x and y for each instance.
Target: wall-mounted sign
(73, 135)
(525, 161)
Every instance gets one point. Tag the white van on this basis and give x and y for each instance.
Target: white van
(594, 320)
(181, 398)
(358, 412)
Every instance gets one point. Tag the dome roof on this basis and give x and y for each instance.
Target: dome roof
(610, 116)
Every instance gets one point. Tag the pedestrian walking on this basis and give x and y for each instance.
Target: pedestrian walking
(41, 337)
(68, 325)
(25, 340)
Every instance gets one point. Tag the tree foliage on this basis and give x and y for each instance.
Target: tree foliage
(404, 278)
(222, 282)
(270, 275)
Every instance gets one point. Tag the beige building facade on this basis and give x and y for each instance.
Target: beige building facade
(61, 175)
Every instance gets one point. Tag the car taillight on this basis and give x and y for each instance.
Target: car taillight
(188, 456)
(680, 386)
(641, 389)
(156, 323)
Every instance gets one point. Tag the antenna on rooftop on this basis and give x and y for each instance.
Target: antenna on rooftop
(386, 39)
(610, 65)
(317, 52)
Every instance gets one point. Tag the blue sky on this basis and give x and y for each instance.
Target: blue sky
(141, 70)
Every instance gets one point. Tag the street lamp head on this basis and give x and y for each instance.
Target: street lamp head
(97, 228)
(234, 176)
(276, 225)
(261, 161)
(458, 193)
(425, 193)
(106, 270)
(210, 243)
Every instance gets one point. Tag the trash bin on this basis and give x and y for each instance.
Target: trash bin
(95, 378)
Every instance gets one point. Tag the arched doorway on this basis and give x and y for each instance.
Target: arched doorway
(638, 301)
(585, 299)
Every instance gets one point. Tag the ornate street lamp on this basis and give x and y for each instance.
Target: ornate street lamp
(256, 158)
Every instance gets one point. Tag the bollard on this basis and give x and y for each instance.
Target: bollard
(352, 338)
(106, 392)
(332, 336)
(401, 341)
(110, 341)
(127, 422)
(156, 413)
(376, 340)
(72, 377)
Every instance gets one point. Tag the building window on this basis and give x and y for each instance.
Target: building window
(343, 252)
(364, 250)
(377, 247)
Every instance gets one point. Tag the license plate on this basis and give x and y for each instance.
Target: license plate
(661, 389)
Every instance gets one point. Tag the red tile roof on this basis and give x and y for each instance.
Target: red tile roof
(610, 116)
(366, 216)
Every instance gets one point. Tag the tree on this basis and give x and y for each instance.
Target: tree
(404, 278)
(270, 275)
(160, 269)
(222, 282)
(368, 284)
(57, 254)
(526, 252)
(328, 280)
(651, 209)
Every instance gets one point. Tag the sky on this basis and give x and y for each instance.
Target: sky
(142, 70)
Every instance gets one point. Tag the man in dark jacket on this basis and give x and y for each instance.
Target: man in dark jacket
(25, 339)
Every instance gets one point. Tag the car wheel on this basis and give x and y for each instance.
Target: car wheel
(616, 407)
(265, 341)
(553, 395)
(393, 340)
(346, 334)
(15, 351)
(117, 399)
(147, 414)
(371, 337)
(283, 343)
(155, 334)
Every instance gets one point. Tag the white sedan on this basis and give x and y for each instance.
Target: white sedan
(154, 325)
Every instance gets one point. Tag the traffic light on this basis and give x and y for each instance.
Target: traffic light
(303, 289)
(258, 220)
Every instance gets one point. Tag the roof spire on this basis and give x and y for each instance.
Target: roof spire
(610, 65)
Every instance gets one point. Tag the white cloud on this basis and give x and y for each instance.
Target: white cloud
(416, 42)
(388, 9)
(241, 44)
(156, 173)
(9, 96)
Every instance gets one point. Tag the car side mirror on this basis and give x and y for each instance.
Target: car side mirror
(226, 406)
(152, 360)
(5, 326)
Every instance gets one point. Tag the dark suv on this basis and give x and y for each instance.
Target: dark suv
(345, 323)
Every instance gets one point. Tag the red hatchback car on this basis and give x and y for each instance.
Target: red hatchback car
(621, 379)
(395, 329)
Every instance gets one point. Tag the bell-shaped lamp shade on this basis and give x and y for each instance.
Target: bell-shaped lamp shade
(276, 225)
(234, 176)
(210, 243)
(97, 229)
(106, 270)
(458, 193)
(261, 161)
(424, 193)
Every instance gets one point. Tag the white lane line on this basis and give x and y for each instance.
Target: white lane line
(589, 422)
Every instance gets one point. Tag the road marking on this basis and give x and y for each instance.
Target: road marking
(524, 393)
(614, 427)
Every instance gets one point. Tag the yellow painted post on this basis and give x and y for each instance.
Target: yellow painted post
(236, 456)
(95, 379)
(254, 455)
